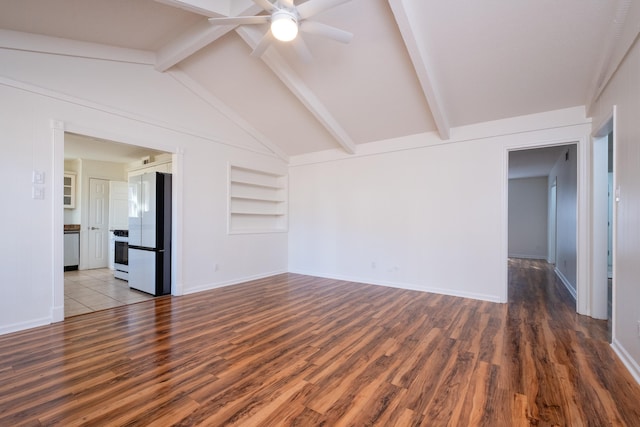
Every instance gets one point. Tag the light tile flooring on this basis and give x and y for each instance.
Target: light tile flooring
(92, 290)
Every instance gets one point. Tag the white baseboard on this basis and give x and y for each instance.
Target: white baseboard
(566, 283)
(209, 286)
(15, 327)
(57, 314)
(627, 360)
(407, 286)
(525, 256)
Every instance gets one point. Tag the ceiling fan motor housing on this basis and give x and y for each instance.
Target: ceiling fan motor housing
(284, 25)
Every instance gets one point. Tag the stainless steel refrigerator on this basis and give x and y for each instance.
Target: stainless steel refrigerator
(150, 233)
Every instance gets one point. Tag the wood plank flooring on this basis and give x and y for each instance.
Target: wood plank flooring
(294, 350)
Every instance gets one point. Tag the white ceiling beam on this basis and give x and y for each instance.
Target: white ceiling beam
(419, 57)
(29, 42)
(208, 8)
(204, 94)
(295, 84)
(622, 34)
(195, 38)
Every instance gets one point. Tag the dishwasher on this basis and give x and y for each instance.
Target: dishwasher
(71, 250)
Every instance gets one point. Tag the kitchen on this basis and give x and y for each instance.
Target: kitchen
(97, 207)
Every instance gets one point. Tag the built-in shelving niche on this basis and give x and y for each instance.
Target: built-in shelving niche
(257, 201)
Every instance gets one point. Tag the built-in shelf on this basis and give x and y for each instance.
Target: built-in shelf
(260, 199)
(257, 201)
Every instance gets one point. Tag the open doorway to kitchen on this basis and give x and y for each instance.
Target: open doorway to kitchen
(96, 173)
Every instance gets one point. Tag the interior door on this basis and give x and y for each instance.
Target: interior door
(98, 226)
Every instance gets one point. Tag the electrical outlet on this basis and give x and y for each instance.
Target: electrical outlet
(373, 265)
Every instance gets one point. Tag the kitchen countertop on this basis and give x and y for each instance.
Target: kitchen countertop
(70, 228)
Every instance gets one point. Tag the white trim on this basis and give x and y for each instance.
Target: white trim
(399, 285)
(583, 227)
(204, 94)
(627, 360)
(240, 281)
(607, 125)
(27, 87)
(556, 120)
(29, 42)
(57, 221)
(177, 190)
(565, 282)
(526, 256)
(16, 327)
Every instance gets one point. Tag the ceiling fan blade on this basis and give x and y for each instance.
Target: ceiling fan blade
(301, 49)
(324, 30)
(240, 20)
(265, 4)
(310, 8)
(262, 45)
(287, 4)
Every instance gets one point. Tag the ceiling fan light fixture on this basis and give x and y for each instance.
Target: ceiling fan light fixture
(284, 25)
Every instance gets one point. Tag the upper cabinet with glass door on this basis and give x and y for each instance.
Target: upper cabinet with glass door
(69, 190)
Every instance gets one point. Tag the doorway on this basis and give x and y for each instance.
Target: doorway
(542, 208)
(101, 168)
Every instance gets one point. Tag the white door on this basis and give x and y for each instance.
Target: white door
(98, 226)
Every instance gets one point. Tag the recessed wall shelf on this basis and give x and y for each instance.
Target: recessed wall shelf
(257, 201)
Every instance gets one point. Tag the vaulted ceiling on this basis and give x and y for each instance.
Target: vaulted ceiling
(413, 66)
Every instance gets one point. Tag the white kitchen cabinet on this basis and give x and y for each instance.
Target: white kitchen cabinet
(69, 190)
(118, 205)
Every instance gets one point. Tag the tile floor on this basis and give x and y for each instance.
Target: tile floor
(92, 290)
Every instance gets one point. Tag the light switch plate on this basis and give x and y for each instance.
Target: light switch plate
(38, 177)
(38, 193)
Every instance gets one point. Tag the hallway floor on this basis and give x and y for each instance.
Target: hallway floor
(86, 291)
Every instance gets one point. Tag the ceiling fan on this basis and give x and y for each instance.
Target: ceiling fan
(286, 20)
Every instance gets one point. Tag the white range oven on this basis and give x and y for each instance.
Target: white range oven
(121, 254)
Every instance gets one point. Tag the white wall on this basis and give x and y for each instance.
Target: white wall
(565, 173)
(431, 216)
(528, 217)
(131, 104)
(623, 91)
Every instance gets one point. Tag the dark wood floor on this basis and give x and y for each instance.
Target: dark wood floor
(298, 350)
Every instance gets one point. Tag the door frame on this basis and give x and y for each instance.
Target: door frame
(600, 243)
(58, 129)
(583, 220)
